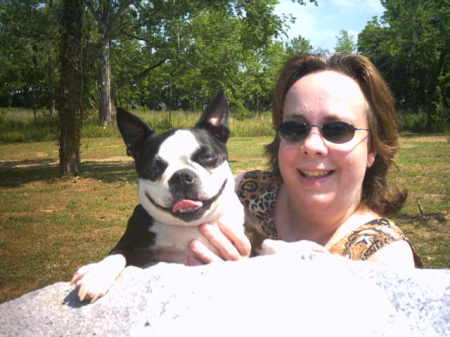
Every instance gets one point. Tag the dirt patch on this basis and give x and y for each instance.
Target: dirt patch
(425, 139)
(55, 162)
(108, 159)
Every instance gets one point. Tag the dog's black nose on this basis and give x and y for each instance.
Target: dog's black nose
(183, 178)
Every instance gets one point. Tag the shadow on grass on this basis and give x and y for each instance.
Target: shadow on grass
(436, 220)
(17, 173)
(109, 172)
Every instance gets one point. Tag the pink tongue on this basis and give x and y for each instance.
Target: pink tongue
(185, 206)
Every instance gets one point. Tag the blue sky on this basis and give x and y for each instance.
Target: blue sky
(320, 25)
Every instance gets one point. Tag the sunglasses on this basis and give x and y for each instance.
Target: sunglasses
(337, 132)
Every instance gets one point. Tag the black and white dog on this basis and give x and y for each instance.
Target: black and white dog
(184, 181)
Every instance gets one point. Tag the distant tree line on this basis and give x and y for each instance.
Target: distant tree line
(410, 44)
(165, 54)
(176, 54)
(69, 55)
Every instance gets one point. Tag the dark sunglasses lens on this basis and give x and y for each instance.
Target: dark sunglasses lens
(338, 132)
(293, 131)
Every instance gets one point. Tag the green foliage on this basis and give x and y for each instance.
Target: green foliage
(418, 121)
(414, 121)
(345, 42)
(440, 114)
(242, 123)
(410, 45)
(298, 45)
(174, 54)
(94, 130)
(26, 129)
(28, 38)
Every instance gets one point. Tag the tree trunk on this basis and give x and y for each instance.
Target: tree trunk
(51, 104)
(106, 110)
(51, 64)
(70, 87)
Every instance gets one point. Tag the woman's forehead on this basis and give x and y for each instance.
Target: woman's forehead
(328, 83)
(328, 92)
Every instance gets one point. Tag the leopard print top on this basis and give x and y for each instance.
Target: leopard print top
(258, 191)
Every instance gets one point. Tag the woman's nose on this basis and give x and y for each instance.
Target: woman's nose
(314, 144)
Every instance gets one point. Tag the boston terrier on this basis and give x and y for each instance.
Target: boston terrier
(184, 181)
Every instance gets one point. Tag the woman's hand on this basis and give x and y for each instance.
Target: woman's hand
(229, 240)
(231, 244)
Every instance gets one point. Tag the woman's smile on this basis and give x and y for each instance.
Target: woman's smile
(316, 180)
(315, 173)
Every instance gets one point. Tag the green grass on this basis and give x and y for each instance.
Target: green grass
(20, 126)
(50, 226)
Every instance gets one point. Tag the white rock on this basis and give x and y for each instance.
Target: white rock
(302, 294)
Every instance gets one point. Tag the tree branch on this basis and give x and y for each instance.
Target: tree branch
(142, 75)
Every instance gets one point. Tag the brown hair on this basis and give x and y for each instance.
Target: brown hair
(377, 194)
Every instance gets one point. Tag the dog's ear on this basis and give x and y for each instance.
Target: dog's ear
(133, 130)
(215, 118)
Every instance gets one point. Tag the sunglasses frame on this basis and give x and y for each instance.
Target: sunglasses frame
(296, 138)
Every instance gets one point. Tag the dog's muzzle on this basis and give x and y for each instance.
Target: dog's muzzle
(185, 208)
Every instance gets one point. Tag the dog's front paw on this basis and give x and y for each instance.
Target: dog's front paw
(92, 282)
(269, 247)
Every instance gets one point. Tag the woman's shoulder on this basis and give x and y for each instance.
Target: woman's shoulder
(259, 176)
(379, 228)
(368, 239)
(252, 185)
(258, 192)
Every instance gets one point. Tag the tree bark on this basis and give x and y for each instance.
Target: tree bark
(69, 100)
(106, 108)
(51, 104)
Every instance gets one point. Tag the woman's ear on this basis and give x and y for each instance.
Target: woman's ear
(371, 159)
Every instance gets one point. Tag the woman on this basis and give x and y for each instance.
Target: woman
(336, 139)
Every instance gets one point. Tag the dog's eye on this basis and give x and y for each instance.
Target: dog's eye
(156, 169)
(205, 157)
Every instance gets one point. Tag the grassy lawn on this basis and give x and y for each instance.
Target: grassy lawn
(49, 226)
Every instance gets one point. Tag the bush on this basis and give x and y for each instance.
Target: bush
(243, 124)
(258, 125)
(421, 121)
(412, 121)
(92, 130)
(440, 119)
(27, 130)
(12, 137)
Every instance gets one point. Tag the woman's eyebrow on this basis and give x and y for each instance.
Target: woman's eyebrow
(300, 116)
(332, 118)
(295, 116)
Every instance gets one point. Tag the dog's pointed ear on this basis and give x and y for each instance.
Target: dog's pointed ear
(215, 118)
(133, 130)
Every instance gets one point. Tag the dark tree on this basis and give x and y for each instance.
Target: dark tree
(70, 91)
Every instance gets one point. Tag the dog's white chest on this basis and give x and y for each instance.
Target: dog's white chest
(174, 237)
(172, 243)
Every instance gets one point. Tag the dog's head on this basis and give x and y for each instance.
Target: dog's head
(183, 173)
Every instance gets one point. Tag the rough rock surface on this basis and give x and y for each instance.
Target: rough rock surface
(302, 294)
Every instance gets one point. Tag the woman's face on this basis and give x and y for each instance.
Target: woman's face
(318, 172)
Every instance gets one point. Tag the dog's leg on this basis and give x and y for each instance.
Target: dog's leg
(94, 280)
